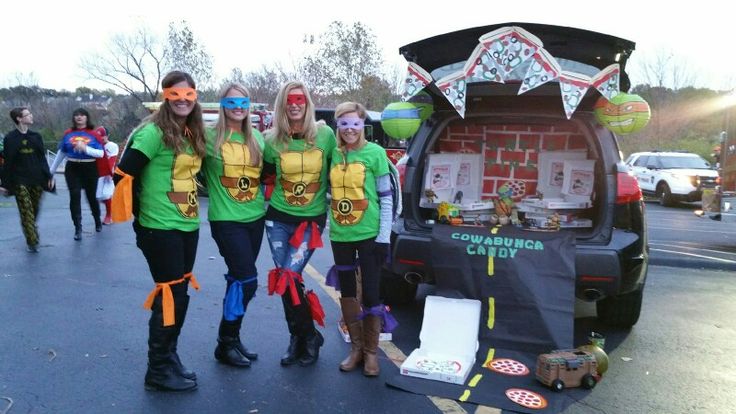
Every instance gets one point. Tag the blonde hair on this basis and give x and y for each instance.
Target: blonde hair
(246, 127)
(280, 133)
(346, 108)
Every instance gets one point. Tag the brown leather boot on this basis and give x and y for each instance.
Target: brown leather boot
(371, 331)
(350, 311)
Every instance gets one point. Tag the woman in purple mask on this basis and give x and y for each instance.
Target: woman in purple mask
(360, 227)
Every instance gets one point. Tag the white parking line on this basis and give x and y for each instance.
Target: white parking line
(683, 246)
(718, 259)
(680, 229)
(396, 356)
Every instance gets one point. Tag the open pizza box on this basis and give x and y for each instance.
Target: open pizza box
(448, 340)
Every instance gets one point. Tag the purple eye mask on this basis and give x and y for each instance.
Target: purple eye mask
(350, 123)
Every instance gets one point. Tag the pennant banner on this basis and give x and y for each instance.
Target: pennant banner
(607, 81)
(509, 47)
(542, 69)
(416, 80)
(481, 67)
(573, 87)
(453, 88)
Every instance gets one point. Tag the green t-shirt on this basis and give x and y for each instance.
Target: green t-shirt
(168, 197)
(355, 209)
(232, 183)
(301, 174)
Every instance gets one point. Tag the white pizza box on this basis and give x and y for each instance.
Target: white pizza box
(556, 203)
(343, 329)
(448, 341)
(477, 205)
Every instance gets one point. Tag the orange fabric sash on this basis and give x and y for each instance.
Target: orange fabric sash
(122, 198)
(167, 298)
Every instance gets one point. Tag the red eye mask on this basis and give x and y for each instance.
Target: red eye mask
(175, 94)
(295, 99)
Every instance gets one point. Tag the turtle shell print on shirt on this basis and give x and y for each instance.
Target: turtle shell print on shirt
(239, 178)
(183, 184)
(300, 175)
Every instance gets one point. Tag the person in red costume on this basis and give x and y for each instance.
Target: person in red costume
(105, 169)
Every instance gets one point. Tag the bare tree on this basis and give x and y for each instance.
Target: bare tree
(339, 59)
(132, 63)
(264, 84)
(667, 70)
(187, 54)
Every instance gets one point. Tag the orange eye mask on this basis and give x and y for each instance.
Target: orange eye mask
(175, 94)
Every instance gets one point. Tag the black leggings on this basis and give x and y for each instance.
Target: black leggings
(170, 253)
(370, 270)
(82, 176)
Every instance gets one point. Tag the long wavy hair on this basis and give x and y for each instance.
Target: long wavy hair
(222, 129)
(280, 133)
(165, 118)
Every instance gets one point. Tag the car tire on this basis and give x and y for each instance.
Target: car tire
(665, 195)
(557, 385)
(588, 382)
(395, 290)
(622, 310)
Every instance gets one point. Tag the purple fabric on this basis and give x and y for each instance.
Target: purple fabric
(332, 279)
(389, 322)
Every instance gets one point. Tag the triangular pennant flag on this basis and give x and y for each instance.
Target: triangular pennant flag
(416, 80)
(453, 88)
(481, 67)
(607, 81)
(542, 69)
(509, 47)
(573, 87)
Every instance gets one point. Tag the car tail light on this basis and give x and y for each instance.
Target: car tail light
(627, 190)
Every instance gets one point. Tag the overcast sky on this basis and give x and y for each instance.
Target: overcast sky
(47, 39)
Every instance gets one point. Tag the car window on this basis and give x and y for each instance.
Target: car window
(684, 162)
(641, 161)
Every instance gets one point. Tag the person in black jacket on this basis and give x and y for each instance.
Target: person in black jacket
(26, 172)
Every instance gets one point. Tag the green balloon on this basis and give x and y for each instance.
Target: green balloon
(400, 120)
(623, 114)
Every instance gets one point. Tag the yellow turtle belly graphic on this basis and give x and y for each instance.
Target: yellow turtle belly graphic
(348, 193)
(300, 173)
(184, 185)
(240, 179)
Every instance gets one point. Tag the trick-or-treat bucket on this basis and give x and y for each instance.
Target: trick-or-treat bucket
(598, 340)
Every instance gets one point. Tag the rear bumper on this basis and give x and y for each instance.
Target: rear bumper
(601, 270)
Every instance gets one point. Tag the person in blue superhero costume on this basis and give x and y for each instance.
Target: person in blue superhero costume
(80, 146)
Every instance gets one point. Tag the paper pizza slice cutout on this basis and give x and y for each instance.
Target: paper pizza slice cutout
(526, 398)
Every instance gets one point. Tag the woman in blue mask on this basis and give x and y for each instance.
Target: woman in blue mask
(232, 169)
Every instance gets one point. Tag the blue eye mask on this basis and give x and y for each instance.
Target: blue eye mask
(232, 102)
(350, 123)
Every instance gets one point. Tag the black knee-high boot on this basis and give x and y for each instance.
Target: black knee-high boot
(161, 374)
(296, 342)
(230, 349)
(309, 340)
(181, 307)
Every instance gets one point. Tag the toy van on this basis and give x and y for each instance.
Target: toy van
(567, 368)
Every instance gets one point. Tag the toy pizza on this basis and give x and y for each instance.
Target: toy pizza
(507, 366)
(518, 189)
(526, 398)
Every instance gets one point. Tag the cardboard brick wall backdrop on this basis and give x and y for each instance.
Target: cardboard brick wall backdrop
(510, 151)
(525, 281)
